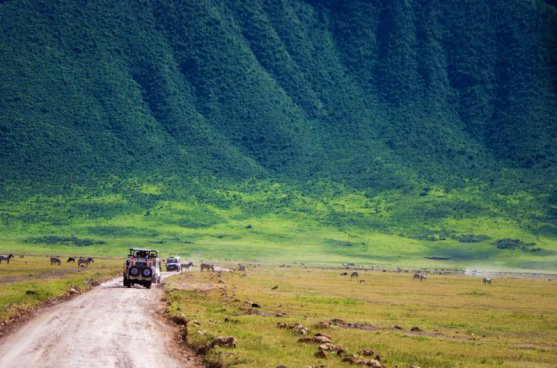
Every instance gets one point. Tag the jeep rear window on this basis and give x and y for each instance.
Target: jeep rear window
(172, 260)
(141, 264)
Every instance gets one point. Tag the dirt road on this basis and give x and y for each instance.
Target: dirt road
(110, 326)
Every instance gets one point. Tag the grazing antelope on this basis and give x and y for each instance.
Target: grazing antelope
(7, 258)
(55, 261)
(487, 281)
(84, 261)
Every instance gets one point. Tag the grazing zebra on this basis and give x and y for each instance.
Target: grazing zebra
(84, 261)
(71, 259)
(354, 274)
(7, 258)
(487, 281)
(186, 266)
(420, 277)
(55, 261)
(208, 267)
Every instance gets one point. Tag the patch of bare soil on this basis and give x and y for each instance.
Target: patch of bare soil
(110, 326)
(20, 315)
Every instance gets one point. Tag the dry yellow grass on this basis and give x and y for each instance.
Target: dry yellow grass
(462, 323)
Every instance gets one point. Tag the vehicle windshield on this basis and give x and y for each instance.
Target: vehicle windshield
(172, 260)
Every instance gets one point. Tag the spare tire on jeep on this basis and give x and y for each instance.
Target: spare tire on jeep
(146, 272)
(134, 271)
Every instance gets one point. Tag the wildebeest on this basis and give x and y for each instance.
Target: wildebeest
(186, 266)
(420, 277)
(487, 281)
(354, 274)
(71, 259)
(241, 267)
(55, 261)
(84, 261)
(7, 258)
(208, 267)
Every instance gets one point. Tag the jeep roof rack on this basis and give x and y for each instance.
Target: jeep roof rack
(151, 252)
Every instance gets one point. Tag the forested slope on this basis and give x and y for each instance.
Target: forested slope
(371, 92)
(423, 117)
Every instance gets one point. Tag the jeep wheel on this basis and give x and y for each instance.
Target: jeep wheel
(148, 285)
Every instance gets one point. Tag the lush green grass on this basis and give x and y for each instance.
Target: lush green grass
(462, 322)
(316, 223)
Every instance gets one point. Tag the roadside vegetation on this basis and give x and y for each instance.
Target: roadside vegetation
(31, 282)
(449, 320)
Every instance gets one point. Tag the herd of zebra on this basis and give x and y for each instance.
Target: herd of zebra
(84, 262)
(417, 276)
(81, 262)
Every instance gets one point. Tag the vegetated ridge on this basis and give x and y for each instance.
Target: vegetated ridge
(384, 98)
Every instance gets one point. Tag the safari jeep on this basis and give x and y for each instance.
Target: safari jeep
(173, 264)
(142, 267)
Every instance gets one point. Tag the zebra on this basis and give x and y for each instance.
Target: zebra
(208, 267)
(420, 277)
(487, 281)
(84, 261)
(7, 258)
(186, 266)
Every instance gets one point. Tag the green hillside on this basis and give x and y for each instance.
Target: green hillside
(184, 120)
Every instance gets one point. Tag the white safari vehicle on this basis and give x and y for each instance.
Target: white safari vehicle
(142, 267)
(173, 264)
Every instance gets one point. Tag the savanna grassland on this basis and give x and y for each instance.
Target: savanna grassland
(386, 133)
(314, 222)
(457, 321)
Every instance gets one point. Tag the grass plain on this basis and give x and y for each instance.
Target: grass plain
(461, 322)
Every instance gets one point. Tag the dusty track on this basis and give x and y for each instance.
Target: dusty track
(110, 326)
